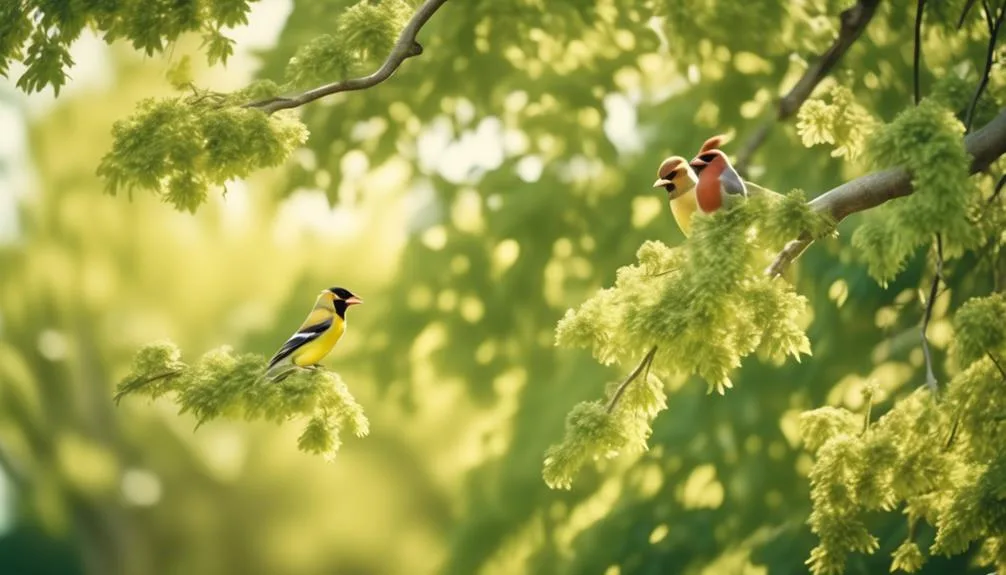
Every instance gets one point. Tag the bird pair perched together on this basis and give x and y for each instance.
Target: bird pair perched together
(708, 183)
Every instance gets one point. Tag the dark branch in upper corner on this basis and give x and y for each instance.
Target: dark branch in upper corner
(853, 21)
(993, 26)
(920, 9)
(406, 47)
(872, 190)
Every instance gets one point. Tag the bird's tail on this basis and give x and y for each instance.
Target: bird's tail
(756, 190)
(279, 370)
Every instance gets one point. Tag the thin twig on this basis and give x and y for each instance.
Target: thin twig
(406, 47)
(953, 429)
(917, 57)
(644, 364)
(990, 55)
(853, 21)
(133, 386)
(930, 376)
(869, 191)
(999, 188)
(663, 273)
(867, 415)
(995, 362)
(957, 415)
(964, 13)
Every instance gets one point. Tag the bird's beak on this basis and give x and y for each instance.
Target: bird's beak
(697, 165)
(353, 300)
(661, 183)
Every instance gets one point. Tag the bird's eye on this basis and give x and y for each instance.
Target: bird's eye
(707, 157)
(670, 175)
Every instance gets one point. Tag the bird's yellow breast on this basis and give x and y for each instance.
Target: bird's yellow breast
(316, 350)
(683, 207)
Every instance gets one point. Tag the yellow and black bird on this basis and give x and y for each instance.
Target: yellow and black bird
(316, 336)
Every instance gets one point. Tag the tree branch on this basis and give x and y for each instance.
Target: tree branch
(930, 375)
(872, 190)
(917, 53)
(406, 47)
(964, 13)
(989, 60)
(644, 364)
(853, 21)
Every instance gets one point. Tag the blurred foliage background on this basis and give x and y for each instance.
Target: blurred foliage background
(495, 181)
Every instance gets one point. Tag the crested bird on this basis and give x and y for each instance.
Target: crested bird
(719, 183)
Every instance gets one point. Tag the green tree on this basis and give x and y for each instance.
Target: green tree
(524, 130)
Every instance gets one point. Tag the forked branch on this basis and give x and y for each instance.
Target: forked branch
(406, 47)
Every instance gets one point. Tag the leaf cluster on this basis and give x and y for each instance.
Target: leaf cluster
(704, 306)
(927, 141)
(941, 462)
(179, 147)
(39, 33)
(364, 33)
(837, 120)
(222, 384)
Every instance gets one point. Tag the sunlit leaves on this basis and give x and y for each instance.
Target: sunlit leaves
(370, 29)
(856, 471)
(837, 120)
(705, 306)
(942, 461)
(319, 60)
(365, 32)
(927, 141)
(591, 431)
(179, 148)
(222, 384)
(981, 328)
(791, 216)
(39, 34)
(907, 557)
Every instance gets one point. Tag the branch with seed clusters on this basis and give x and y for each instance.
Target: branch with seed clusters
(872, 190)
(853, 21)
(406, 47)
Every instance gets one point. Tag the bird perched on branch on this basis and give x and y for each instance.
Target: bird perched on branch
(719, 183)
(316, 337)
(711, 155)
(679, 179)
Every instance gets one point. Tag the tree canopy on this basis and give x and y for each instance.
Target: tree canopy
(554, 380)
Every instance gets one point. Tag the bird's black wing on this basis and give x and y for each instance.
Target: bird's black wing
(309, 333)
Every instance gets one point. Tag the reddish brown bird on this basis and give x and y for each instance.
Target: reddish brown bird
(719, 183)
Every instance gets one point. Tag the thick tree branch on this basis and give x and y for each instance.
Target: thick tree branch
(872, 190)
(406, 47)
(853, 21)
